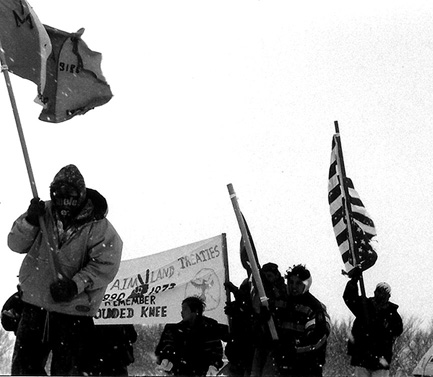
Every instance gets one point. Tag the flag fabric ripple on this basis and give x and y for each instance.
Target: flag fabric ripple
(75, 83)
(363, 227)
(25, 41)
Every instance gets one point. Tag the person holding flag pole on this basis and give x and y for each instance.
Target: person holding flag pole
(254, 268)
(353, 227)
(301, 328)
(58, 313)
(377, 322)
(72, 251)
(40, 48)
(260, 367)
(348, 215)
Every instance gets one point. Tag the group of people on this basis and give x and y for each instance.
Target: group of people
(193, 347)
(72, 252)
(301, 321)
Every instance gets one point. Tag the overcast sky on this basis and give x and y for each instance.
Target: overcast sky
(246, 92)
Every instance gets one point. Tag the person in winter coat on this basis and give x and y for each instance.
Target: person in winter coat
(240, 346)
(303, 328)
(58, 307)
(377, 324)
(193, 346)
(250, 341)
(114, 349)
(275, 287)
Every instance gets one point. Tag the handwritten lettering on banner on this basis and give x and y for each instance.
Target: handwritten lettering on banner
(149, 290)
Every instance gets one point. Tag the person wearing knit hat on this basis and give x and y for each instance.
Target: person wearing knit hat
(68, 192)
(303, 328)
(60, 299)
(376, 326)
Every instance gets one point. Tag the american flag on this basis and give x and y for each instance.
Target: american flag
(355, 244)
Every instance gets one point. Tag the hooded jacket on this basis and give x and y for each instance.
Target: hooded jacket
(88, 252)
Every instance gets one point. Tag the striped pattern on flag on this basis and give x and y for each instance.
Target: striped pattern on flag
(363, 228)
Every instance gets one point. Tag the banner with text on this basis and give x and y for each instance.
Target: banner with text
(149, 290)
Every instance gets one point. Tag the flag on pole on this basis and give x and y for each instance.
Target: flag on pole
(25, 42)
(243, 251)
(75, 83)
(247, 264)
(358, 251)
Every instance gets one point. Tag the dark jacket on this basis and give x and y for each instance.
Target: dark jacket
(240, 346)
(373, 331)
(114, 349)
(192, 349)
(303, 329)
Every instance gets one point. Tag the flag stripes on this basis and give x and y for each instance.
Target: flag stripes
(359, 213)
(363, 228)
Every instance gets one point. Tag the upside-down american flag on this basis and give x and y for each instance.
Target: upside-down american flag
(357, 251)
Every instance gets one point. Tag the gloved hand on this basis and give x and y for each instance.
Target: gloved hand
(63, 290)
(10, 319)
(36, 209)
(212, 371)
(165, 365)
(230, 309)
(231, 287)
(356, 273)
(265, 314)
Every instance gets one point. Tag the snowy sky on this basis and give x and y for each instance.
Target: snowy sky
(246, 92)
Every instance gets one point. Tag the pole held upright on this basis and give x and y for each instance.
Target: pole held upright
(346, 200)
(252, 260)
(55, 268)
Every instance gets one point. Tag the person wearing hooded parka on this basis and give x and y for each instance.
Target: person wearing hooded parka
(58, 308)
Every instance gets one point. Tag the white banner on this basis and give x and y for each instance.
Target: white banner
(149, 290)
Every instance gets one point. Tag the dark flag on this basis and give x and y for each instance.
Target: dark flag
(243, 251)
(354, 243)
(75, 83)
(25, 42)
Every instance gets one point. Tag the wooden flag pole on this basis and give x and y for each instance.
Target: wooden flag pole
(4, 68)
(252, 260)
(346, 198)
(227, 275)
